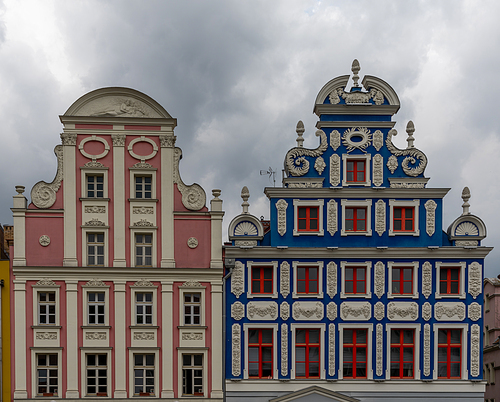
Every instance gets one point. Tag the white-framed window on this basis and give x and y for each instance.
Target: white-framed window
(192, 305)
(355, 351)
(46, 305)
(95, 305)
(262, 279)
(450, 351)
(144, 365)
(144, 302)
(261, 346)
(307, 279)
(356, 279)
(97, 373)
(142, 184)
(308, 351)
(308, 217)
(95, 249)
(356, 217)
(143, 248)
(46, 372)
(94, 183)
(404, 217)
(402, 279)
(192, 374)
(356, 170)
(403, 351)
(450, 280)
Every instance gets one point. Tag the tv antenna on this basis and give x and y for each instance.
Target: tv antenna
(270, 172)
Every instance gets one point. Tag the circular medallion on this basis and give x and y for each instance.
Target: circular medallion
(357, 138)
(44, 240)
(93, 138)
(142, 157)
(192, 242)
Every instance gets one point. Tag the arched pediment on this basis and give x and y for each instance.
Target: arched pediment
(371, 82)
(245, 226)
(338, 82)
(467, 227)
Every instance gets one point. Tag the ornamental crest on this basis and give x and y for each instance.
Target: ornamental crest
(363, 136)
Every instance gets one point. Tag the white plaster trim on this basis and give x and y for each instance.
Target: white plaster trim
(321, 327)
(380, 224)
(404, 203)
(284, 350)
(426, 279)
(461, 293)
(274, 327)
(142, 158)
(357, 203)
(250, 265)
(55, 351)
(430, 219)
(237, 279)
(183, 290)
(308, 203)
(369, 355)
(390, 266)
(141, 173)
(379, 349)
(331, 217)
(94, 289)
(464, 360)
(94, 138)
(355, 311)
(96, 230)
(308, 311)
(319, 265)
(331, 279)
(379, 280)
(475, 274)
(237, 310)
(206, 368)
(416, 348)
(83, 365)
(42, 289)
(149, 289)
(334, 170)
(281, 206)
(427, 350)
(367, 159)
(141, 351)
(236, 350)
(94, 172)
(368, 265)
(449, 311)
(378, 170)
(402, 311)
(262, 310)
(284, 279)
(154, 243)
(475, 350)
(331, 349)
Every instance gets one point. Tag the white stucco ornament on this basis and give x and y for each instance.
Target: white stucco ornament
(43, 195)
(44, 240)
(192, 242)
(295, 162)
(357, 138)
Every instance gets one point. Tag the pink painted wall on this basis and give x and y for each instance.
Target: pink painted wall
(186, 226)
(51, 225)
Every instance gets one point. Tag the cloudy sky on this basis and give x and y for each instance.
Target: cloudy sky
(238, 75)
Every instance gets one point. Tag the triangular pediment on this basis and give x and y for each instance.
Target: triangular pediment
(314, 394)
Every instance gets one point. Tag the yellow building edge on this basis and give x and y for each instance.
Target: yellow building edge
(5, 330)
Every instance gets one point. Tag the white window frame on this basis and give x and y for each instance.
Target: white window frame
(94, 172)
(367, 158)
(319, 265)
(144, 351)
(414, 265)
(187, 289)
(321, 327)
(97, 230)
(143, 289)
(274, 265)
(416, 348)
(36, 311)
(464, 361)
(190, 351)
(34, 365)
(369, 356)
(308, 203)
(368, 265)
(89, 351)
(360, 204)
(274, 327)
(95, 289)
(404, 203)
(142, 172)
(462, 266)
(145, 231)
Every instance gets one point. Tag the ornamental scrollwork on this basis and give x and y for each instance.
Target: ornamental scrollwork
(380, 217)
(474, 311)
(378, 170)
(379, 279)
(95, 283)
(192, 284)
(335, 139)
(193, 196)
(68, 139)
(392, 164)
(237, 310)
(426, 311)
(466, 243)
(426, 279)
(167, 141)
(46, 282)
(144, 283)
(295, 162)
(378, 140)
(284, 350)
(402, 311)
(356, 97)
(145, 336)
(331, 311)
(143, 223)
(331, 279)
(285, 279)
(334, 170)
(262, 310)
(412, 155)
(449, 311)
(362, 132)
(44, 240)
(379, 352)
(284, 311)
(355, 310)
(237, 281)
(475, 284)
(281, 206)
(43, 195)
(331, 217)
(95, 336)
(474, 350)
(379, 311)
(94, 222)
(118, 140)
(192, 336)
(236, 350)
(307, 311)
(192, 242)
(143, 211)
(331, 349)
(430, 220)
(427, 350)
(95, 209)
(46, 336)
(319, 165)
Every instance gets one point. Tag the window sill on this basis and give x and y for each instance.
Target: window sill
(151, 326)
(95, 326)
(192, 327)
(95, 199)
(143, 199)
(46, 326)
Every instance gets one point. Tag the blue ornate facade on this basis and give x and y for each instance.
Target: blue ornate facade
(353, 290)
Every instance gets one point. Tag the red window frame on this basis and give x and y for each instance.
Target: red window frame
(307, 278)
(356, 359)
(311, 353)
(446, 282)
(355, 167)
(261, 347)
(352, 276)
(400, 281)
(356, 221)
(400, 362)
(308, 219)
(261, 281)
(399, 223)
(447, 347)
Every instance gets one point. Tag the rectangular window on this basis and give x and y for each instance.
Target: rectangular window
(355, 353)
(308, 219)
(47, 308)
(143, 250)
(144, 308)
(449, 353)
(449, 280)
(192, 308)
(262, 280)
(402, 353)
(96, 308)
(143, 187)
(95, 249)
(355, 219)
(192, 375)
(356, 171)
(144, 374)
(97, 375)
(307, 280)
(403, 219)
(402, 280)
(46, 375)
(95, 186)
(355, 280)
(260, 353)
(307, 353)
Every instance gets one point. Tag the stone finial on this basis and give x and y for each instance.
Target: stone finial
(465, 198)
(410, 129)
(355, 69)
(245, 195)
(20, 189)
(300, 131)
(216, 192)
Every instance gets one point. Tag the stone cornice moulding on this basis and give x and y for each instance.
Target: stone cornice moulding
(345, 124)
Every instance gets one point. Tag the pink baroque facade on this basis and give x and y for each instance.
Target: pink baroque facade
(491, 334)
(117, 264)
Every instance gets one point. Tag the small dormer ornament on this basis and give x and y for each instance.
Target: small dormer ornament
(246, 225)
(300, 131)
(245, 195)
(465, 198)
(410, 129)
(355, 70)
